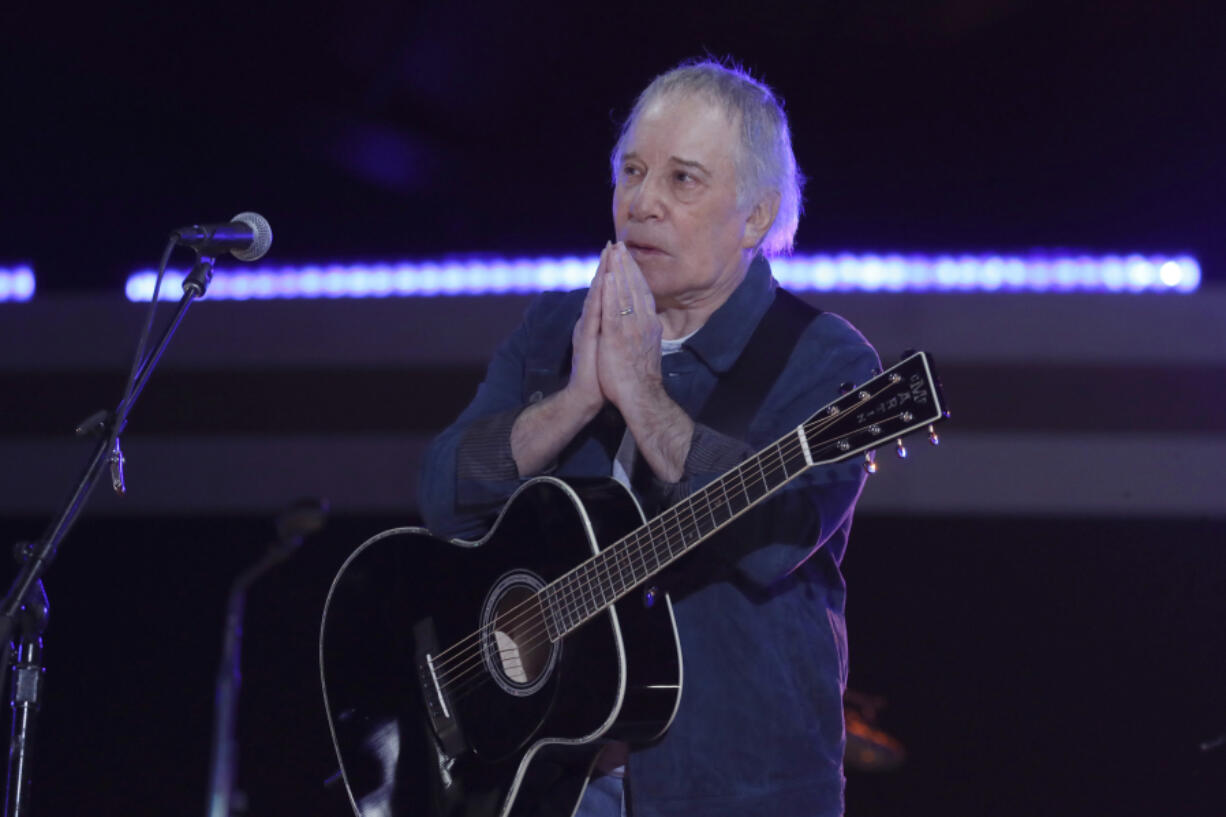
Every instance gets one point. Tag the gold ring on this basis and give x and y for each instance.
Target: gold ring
(627, 311)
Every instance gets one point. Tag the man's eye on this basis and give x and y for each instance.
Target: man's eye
(630, 170)
(683, 178)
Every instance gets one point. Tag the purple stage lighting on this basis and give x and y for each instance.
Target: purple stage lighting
(822, 273)
(16, 284)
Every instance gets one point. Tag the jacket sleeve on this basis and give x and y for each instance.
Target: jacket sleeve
(468, 472)
(815, 509)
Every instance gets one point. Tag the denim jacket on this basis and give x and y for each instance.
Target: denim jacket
(759, 608)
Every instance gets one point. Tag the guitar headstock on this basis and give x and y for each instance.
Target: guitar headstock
(904, 398)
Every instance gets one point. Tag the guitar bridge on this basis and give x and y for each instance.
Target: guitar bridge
(442, 720)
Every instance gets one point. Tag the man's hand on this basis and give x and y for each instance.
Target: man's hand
(630, 332)
(543, 429)
(628, 365)
(584, 385)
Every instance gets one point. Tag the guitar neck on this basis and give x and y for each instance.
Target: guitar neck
(609, 575)
(896, 402)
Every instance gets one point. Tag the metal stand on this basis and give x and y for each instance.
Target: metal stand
(27, 656)
(25, 605)
(294, 525)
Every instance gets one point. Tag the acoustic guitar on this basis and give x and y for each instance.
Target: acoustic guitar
(480, 679)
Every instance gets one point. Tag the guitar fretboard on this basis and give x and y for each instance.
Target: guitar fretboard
(590, 588)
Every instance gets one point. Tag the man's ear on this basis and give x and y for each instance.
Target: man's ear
(760, 219)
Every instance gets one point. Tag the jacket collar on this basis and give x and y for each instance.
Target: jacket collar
(722, 338)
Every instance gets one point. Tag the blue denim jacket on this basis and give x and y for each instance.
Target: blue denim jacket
(759, 608)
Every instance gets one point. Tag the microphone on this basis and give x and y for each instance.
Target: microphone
(247, 236)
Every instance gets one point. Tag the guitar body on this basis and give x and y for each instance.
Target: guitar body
(445, 694)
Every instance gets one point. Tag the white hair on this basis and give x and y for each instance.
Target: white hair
(764, 159)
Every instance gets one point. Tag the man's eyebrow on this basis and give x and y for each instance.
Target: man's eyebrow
(689, 163)
(675, 160)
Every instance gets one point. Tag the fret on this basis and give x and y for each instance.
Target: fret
(598, 594)
(640, 551)
(597, 585)
(612, 574)
(702, 523)
(548, 614)
(566, 608)
(655, 553)
(684, 516)
(617, 581)
(739, 500)
(722, 483)
(684, 539)
(770, 479)
(586, 596)
(762, 477)
(542, 598)
(713, 498)
(632, 550)
(606, 579)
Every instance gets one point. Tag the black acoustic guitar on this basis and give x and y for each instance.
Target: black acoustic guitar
(474, 679)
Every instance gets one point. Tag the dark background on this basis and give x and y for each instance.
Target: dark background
(1032, 665)
(398, 129)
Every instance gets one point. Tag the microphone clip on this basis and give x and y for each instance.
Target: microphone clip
(198, 280)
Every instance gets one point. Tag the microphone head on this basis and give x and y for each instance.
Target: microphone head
(261, 239)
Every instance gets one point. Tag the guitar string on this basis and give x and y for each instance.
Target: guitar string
(461, 685)
(473, 681)
(573, 595)
(572, 598)
(788, 445)
(621, 555)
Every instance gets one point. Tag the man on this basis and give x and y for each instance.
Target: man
(705, 186)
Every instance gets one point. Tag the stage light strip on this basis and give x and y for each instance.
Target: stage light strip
(17, 284)
(823, 273)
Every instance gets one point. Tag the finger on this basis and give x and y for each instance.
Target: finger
(593, 301)
(611, 292)
(633, 285)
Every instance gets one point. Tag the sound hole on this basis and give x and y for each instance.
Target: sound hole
(523, 645)
(518, 652)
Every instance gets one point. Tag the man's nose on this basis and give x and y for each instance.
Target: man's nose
(647, 200)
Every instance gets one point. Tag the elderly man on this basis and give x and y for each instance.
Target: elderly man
(682, 358)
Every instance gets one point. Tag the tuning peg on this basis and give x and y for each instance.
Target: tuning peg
(870, 463)
(902, 449)
(844, 388)
(933, 437)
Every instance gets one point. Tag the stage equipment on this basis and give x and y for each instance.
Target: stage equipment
(247, 236)
(25, 606)
(869, 749)
(295, 523)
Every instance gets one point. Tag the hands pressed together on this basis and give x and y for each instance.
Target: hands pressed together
(617, 339)
(616, 358)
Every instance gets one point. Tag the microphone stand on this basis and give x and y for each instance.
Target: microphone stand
(25, 605)
(295, 524)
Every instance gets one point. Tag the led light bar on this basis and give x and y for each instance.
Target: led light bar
(824, 273)
(16, 284)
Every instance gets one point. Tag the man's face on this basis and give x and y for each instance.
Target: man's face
(675, 203)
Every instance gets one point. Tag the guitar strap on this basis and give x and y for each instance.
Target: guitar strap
(739, 393)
